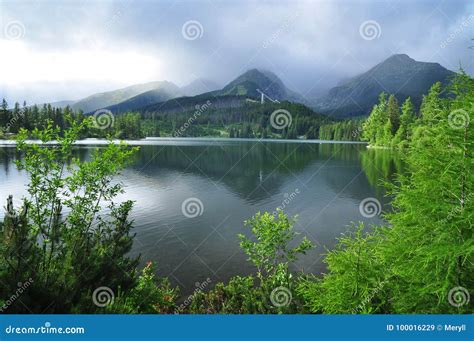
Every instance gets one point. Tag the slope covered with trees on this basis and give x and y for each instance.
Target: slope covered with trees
(250, 120)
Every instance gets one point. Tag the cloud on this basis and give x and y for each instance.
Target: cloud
(72, 49)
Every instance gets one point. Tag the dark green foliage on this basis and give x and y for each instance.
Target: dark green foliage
(250, 295)
(247, 120)
(407, 120)
(393, 114)
(348, 130)
(150, 295)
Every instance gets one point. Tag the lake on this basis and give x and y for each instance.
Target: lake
(192, 197)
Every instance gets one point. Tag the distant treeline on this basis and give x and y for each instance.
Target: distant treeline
(251, 120)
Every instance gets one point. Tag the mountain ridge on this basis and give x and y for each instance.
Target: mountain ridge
(240, 90)
(165, 91)
(399, 75)
(105, 99)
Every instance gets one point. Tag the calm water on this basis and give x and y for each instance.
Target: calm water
(321, 183)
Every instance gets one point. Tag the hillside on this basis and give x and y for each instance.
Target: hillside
(109, 98)
(163, 92)
(235, 94)
(399, 75)
(199, 86)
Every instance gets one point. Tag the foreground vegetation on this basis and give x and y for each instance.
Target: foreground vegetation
(421, 261)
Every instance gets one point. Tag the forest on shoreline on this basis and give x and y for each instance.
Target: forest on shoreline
(284, 120)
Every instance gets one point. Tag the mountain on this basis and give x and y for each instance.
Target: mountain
(109, 98)
(399, 75)
(162, 92)
(234, 94)
(248, 83)
(265, 81)
(199, 86)
(58, 104)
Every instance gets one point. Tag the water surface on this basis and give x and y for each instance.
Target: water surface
(322, 183)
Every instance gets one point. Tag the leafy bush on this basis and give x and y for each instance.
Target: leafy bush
(273, 290)
(151, 295)
(271, 248)
(59, 238)
(355, 282)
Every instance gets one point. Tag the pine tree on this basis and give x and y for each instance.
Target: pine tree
(382, 118)
(373, 127)
(431, 111)
(407, 118)
(423, 261)
(430, 246)
(393, 113)
(386, 140)
(431, 104)
(4, 114)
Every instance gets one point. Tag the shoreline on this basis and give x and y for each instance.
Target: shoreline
(159, 140)
(369, 146)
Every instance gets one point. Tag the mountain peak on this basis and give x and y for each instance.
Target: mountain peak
(259, 74)
(398, 59)
(253, 79)
(401, 57)
(399, 75)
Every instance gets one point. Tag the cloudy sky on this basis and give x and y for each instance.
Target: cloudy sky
(57, 50)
